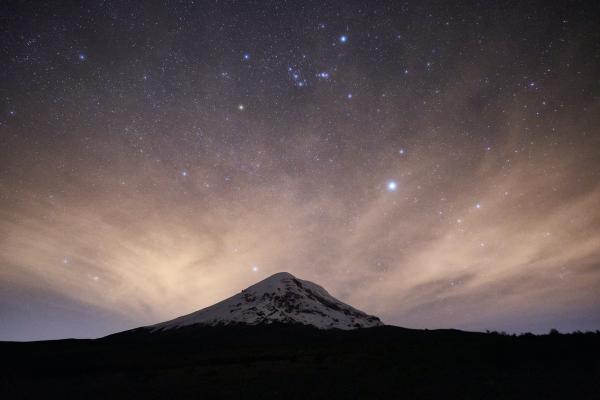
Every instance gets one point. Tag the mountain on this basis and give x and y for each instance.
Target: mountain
(283, 299)
(272, 341)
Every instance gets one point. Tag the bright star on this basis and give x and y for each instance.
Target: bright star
(343, 38)
(82, 56)
(241, 107)
(184, 173)
(401, 151)
(477, 205)
(349, 96)
(392, 186)
(255, 269)
(246, 56)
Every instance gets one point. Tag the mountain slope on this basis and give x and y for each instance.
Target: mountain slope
(281, 298)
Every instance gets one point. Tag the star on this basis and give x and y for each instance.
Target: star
(255, 269)
(343, 39)
(184, 173)
(478, 206)
(349, 96)
(401, 151)
(392, 186)
(81, 56)
(241, 107)
(246, 56)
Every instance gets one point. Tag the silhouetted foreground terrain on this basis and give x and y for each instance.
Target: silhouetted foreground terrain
(296, 362)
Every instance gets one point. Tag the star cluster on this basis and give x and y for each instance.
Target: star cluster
(435, 164)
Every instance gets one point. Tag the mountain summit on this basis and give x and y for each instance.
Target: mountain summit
(281, 298)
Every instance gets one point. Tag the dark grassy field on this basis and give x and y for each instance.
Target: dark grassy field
(294, 362)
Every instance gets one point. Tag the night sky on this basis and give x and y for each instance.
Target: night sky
(434, 164)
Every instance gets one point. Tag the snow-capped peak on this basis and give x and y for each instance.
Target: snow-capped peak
(280, 298)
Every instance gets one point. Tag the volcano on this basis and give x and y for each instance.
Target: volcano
(285, 337)
(281, 298)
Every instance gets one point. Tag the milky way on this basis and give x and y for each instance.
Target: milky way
(436, 165)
